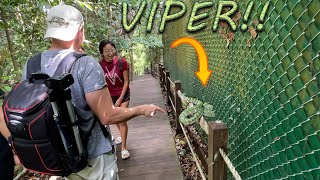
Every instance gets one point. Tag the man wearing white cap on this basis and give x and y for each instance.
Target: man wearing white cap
(89, 91)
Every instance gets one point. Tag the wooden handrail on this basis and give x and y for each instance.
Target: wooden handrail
(217, 131)
(178, 106)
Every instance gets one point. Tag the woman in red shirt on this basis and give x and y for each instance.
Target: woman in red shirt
(117, 78)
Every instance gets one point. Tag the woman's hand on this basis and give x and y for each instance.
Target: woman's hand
(118, 102)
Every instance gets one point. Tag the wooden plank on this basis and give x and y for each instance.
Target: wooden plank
(164, 175)
(149, 151)
(148, 168)
(159, 142)
(133, 127)
(136, 133)
(150, 137)
(148, 123)
(150, 141)
(147, 159)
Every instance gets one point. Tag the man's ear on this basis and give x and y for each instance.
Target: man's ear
(80, 33)
(79, 38)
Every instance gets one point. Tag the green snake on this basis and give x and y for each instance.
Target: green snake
(191, 115)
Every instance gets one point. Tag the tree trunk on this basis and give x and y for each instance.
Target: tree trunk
(157, 55)
(10, 44)
(3, 56)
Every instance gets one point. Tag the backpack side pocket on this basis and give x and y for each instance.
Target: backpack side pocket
(38, 155)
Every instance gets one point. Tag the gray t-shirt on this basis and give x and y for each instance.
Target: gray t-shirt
(88, 77)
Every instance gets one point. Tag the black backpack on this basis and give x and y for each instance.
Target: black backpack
(36, 137)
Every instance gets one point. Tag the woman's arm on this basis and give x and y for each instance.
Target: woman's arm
(3, 127)
(125, 86)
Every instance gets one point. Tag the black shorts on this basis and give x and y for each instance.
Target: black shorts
(6, 162)
(125, 98)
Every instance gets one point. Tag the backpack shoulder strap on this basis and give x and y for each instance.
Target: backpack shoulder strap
(33, 65)
(119, 62)
(67, 63)
(105, 132)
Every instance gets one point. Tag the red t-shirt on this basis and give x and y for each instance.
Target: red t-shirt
(113, 74)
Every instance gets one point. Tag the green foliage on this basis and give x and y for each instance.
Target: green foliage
(22, 23)
(140, 59)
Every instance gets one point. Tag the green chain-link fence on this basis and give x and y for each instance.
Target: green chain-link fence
(266, 88)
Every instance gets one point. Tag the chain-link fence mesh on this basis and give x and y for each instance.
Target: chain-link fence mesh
(265, 88)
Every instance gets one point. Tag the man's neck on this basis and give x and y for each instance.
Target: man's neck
(57, 44)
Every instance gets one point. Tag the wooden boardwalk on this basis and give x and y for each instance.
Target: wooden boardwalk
(150, 141)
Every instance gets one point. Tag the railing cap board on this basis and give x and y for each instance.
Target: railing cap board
(217, 125)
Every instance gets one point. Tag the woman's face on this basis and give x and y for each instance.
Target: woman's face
(108, 52)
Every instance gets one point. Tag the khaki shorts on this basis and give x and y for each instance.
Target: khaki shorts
(103, 167)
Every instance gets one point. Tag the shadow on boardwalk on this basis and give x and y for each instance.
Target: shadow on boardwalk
(150, 141)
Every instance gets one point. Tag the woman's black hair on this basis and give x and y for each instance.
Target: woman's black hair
(103, 43)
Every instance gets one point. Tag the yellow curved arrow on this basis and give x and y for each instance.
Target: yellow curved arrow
(203, 72)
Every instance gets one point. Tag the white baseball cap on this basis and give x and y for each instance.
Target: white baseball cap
(63, 22)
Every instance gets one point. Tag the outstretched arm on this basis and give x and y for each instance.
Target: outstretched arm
(101, 104)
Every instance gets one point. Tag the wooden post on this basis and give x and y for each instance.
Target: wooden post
(217, 138)
(151, 70)
(178, 105)
(159, 71)
(167, 84)
(163, 80)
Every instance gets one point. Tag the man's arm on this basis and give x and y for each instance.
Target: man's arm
(101, 104)
(98, 96)
(3, 127)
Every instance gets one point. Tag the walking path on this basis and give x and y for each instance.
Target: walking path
(150, 141)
